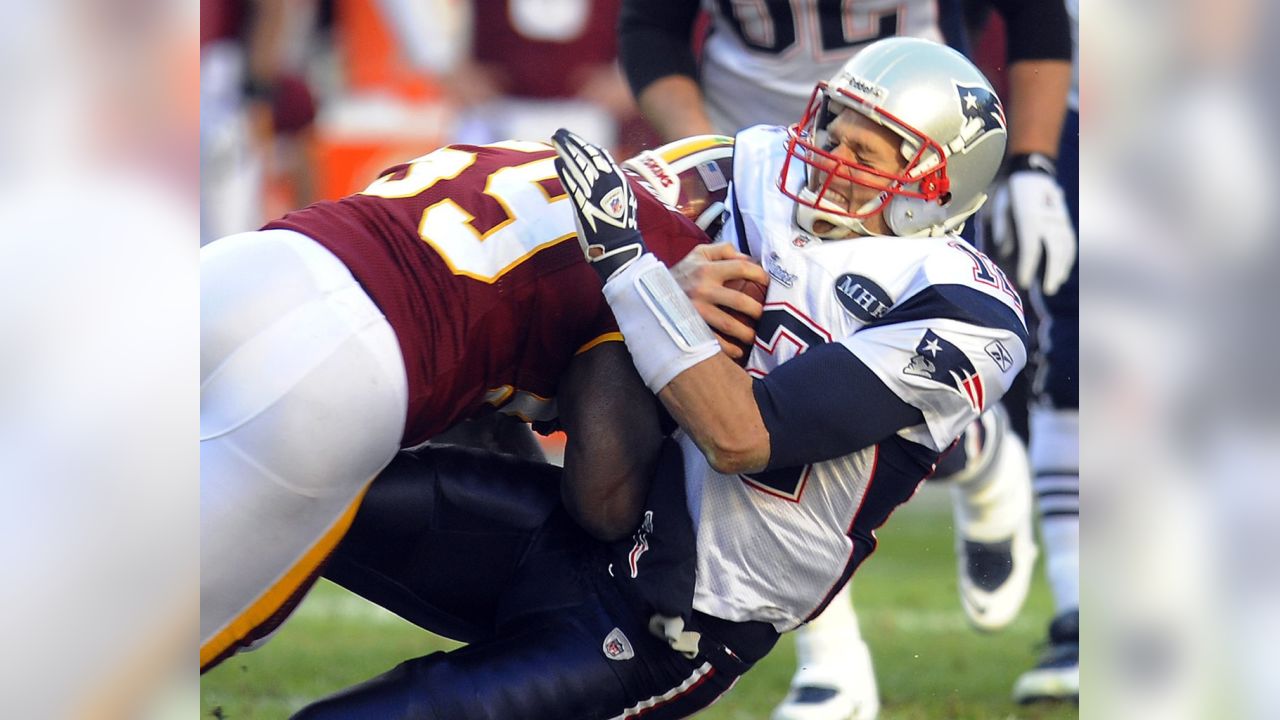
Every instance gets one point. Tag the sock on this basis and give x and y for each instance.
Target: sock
(828, 643)
(1055, 459)
(996, 458)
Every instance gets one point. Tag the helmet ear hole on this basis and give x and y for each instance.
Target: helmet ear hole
(944, 199)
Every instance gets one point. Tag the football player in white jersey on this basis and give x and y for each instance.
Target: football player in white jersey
(902, 333)
(757, 66)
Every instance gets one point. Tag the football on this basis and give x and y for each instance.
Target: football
(755, 290)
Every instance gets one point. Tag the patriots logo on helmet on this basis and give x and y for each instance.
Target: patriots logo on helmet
(940, 361)
(979, 103)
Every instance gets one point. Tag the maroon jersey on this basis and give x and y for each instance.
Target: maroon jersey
(542, 46)
(471, 253)
(221, 20)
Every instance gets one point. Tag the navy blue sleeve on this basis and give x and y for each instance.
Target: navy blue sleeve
(655, 39)
(824, 404)
(1036, 29)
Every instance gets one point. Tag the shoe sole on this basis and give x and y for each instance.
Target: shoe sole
(1048, 686)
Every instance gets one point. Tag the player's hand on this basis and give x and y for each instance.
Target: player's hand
(1029, 217)
(604, 203)
(702, 275)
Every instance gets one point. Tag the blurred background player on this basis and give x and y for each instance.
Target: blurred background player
(307, 99)
(536, 65)
(1055, 392)
(757, 65)
(257, 111)
(518, 69)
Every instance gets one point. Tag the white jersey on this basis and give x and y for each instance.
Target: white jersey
(935, 321)
(761, 61)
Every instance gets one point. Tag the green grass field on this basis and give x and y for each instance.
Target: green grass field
(929, 663)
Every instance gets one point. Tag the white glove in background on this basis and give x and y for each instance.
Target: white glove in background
(1029, 215)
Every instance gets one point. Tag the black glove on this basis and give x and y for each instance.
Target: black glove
(605, 204)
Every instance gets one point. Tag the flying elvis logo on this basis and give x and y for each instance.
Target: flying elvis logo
(980, 104)
(940, 361)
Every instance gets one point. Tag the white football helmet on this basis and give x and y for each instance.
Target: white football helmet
(953, 134)
(690, 175)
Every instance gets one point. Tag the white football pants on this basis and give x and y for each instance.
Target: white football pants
(303, 398)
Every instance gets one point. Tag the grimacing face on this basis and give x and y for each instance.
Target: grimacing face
(858, 141)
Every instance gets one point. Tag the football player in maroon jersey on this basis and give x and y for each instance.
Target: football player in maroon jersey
(451, 287)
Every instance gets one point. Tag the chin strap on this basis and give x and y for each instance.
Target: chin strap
(842, 226)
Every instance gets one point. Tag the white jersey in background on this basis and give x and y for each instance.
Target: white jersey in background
(933, 318)
(761, 60)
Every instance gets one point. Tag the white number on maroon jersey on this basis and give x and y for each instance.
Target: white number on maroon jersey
(483, 253)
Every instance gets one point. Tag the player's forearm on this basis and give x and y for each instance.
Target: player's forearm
(714, 403)
(1037, 105)
(673, 105)
(613, 436)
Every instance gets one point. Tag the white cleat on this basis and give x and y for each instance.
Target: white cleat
(843, 690)
(995, 541)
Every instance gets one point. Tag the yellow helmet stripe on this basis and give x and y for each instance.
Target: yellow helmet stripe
(671, 152)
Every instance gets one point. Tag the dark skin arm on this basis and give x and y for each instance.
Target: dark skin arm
(611, 420)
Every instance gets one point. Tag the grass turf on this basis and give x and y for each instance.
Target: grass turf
(929, 664)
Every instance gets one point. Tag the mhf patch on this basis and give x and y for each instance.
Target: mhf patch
(863, 298)
(942, 362)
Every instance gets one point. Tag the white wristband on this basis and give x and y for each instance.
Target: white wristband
(663, 331)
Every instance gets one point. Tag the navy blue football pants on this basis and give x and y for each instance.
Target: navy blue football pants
(476, 547)
(1059, 379)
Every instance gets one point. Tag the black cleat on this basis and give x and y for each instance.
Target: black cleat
(1057, 675)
